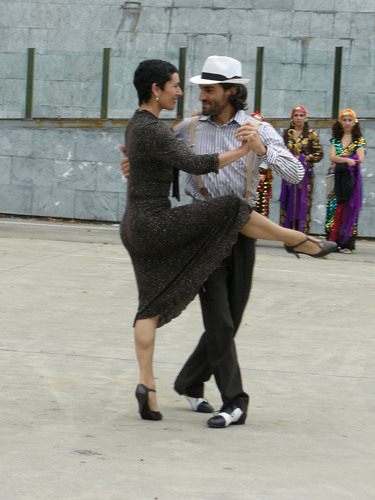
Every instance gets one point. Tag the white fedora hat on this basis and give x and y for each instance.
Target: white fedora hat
(220, 69)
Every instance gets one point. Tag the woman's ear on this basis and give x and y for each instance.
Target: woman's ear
(155, 89)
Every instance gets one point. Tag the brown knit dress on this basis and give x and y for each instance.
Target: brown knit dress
(173, 250)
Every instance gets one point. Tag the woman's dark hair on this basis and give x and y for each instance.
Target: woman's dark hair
(238, 100)
(149, 72)
(304, 133)
(338, 131)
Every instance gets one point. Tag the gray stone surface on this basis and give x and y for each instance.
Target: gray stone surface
(73, 172)
(69, 38)
(72, 164)
(68, 419)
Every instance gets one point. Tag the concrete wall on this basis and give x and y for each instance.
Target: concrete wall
(70, 168)
(70, 172)
(58, 169)
(299, 38)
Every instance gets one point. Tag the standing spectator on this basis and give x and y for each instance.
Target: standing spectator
(264, 191)
(344, 200)
(296, 200)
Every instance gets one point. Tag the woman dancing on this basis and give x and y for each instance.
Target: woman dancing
(174, 250)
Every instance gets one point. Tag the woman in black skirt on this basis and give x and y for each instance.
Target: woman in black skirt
(174, 250)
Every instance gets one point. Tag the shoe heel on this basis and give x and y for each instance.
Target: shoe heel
(291, 250)
(141, 393)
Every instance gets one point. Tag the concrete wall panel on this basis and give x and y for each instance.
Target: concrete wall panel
(64, 171)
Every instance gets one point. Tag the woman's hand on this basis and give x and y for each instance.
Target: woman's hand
(125, 165)
(350, 162)
(249, 132)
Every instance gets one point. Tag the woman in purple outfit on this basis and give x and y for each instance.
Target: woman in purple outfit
(345, 196)
(296, 199)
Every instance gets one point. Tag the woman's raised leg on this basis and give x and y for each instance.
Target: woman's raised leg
(260, 227)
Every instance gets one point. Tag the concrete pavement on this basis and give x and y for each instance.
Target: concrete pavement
(68, 415)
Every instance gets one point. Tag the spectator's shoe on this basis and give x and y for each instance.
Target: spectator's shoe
(228, 415)
(200, 405)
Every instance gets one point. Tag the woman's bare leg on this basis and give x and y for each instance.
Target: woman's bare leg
(259, 227)
(144, 337)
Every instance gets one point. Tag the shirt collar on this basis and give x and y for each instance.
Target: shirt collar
(240, 117)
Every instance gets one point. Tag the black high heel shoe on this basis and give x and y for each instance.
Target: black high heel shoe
(141, 393)
(326, 247)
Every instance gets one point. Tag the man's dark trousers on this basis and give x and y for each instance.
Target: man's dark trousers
(223, 300)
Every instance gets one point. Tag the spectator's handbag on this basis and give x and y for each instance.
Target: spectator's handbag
(344, 186)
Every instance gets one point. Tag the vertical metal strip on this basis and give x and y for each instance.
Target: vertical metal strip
(182, 73)
(259, 79)
(337, 83)
(30, 83)
(105, 83)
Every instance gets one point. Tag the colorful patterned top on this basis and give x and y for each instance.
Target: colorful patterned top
(309, 145)
(350, 149)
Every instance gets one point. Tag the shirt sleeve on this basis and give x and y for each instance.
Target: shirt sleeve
(278, 157)
(192, 189)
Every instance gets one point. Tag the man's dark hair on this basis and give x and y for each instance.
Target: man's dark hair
(149, 72)
(238, 100)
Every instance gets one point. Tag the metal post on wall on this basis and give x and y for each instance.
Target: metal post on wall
(105, 83)
(30, 83)
(182, 74)
(258, 79)
(337, 83)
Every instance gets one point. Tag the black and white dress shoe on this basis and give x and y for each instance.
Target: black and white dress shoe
(200, 405)
(226, 416)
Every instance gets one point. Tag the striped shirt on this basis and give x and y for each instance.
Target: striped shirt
(212, 138)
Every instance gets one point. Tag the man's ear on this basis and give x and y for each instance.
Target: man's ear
(232, 91)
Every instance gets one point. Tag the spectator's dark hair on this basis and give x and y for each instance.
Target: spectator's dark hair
(338, 131)
(304, 133)
(149, 72)
(238, 100)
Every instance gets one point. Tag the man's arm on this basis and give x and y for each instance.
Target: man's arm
(278, 156)
(192, 189)
(270, 148)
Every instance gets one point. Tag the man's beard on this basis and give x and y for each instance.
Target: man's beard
(213, 110)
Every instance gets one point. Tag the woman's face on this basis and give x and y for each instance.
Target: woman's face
(347, 123)
(172, 91)
(298, 118)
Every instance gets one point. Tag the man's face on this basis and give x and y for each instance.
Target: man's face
(214, 99)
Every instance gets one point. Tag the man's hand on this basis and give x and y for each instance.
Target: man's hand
(125, 165)
(249, 132)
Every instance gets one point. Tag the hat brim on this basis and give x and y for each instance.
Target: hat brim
(203, 81)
